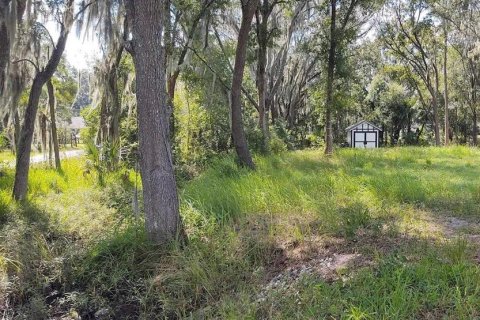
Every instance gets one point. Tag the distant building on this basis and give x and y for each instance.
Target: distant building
(363, 135)
(77, 123)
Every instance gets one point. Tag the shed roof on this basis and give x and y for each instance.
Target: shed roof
(359, 123)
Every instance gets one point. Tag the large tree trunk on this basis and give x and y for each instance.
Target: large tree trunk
(53, 124)
(330, 78)
(41, 77)
(445, 84)
(25, 140)
(238, 133)
(162, 217)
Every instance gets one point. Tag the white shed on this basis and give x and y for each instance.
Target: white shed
(363, 135)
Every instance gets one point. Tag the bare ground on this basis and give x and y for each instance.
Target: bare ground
(336, 259)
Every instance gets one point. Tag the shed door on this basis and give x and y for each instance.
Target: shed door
(365, 140)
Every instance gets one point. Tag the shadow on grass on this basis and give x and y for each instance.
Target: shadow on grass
(33, 244)
(224, 275)
(50, 271)
(397, 275)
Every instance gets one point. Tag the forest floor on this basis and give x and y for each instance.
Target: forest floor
(365, 234)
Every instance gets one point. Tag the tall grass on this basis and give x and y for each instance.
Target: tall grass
(305, 181)
(84, 242)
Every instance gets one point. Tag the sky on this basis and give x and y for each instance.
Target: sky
(81, 51)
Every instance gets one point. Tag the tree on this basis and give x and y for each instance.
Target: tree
(411, 37)
(461, 20)
(42, 76)
(5, 41)
(147, 20)
(238, 134)
(346, 17)
(53, 123)
(330, 77)
(15, 42)
(445, 83)
(392, 104)
(192, 22)
(264, 36)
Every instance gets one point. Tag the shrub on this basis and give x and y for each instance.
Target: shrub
(277, 145)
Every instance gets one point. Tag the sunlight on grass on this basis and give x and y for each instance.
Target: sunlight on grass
(305, 182)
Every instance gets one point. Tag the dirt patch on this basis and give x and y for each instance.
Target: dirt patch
(327, 267)
(439, 226)
(445, 227)
(450, 227)
(329, 259)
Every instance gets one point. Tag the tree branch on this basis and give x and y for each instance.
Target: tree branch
(30, 61)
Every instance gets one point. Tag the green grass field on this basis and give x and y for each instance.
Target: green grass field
(376, 234)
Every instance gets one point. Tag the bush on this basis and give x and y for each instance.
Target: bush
(277, 145)
(4, 141)
(314, 141)
(91, 116)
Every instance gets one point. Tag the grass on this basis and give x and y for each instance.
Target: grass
(78, 249)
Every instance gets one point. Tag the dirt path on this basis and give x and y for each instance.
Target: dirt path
(63, 155)
(40, 158)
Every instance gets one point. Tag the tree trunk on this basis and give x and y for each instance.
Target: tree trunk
(43, 131)
(330, 79)
(436, 120)
(162, 219)
(5, 43)
(238, 133)
(262, 110)
(273, 110)
(262, 39)
(171, 86)
(41, 77)
(50, 147)
(115, 102)
(25, 140)
(475, 128)
(53, 124)
(445, 81)
(102, 134)
(16, 130)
